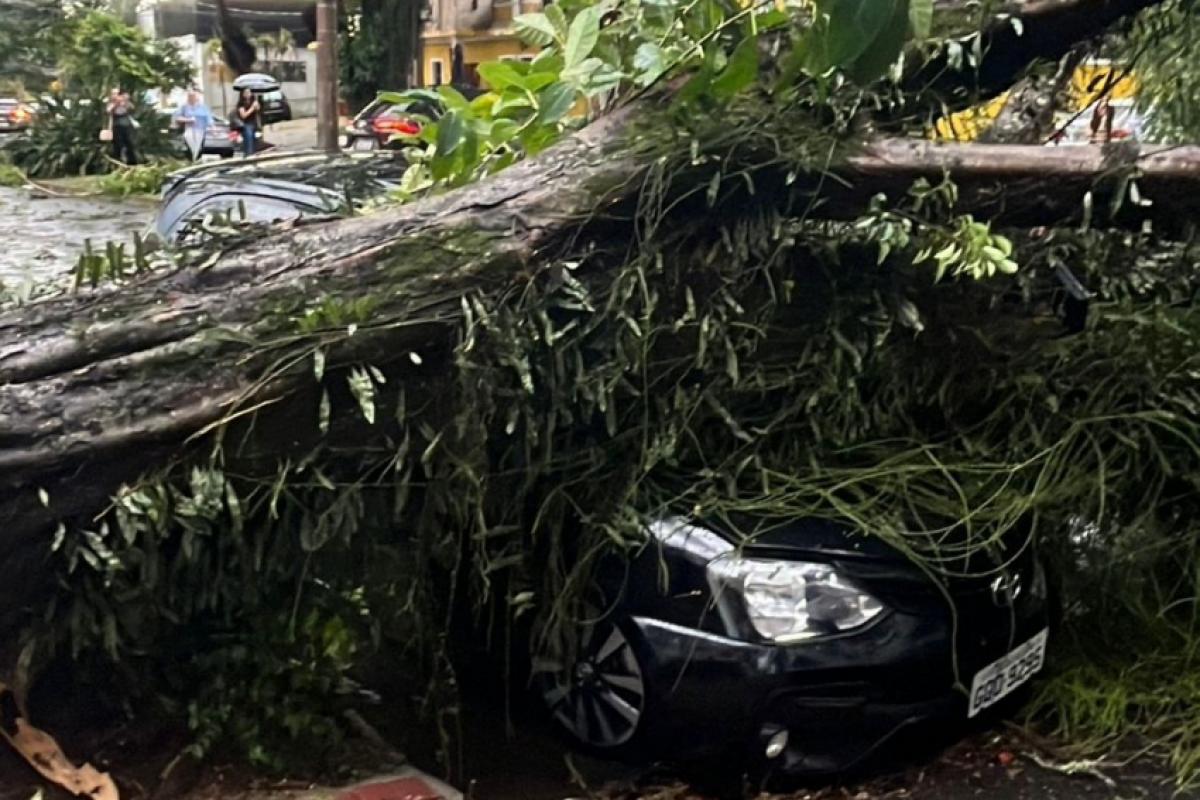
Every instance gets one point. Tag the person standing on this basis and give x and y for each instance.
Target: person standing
(123, 126)
(249, 114)
(195, 118)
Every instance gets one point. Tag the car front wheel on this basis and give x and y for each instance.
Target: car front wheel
(595, 688)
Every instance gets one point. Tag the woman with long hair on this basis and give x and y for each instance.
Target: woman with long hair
(249, 114)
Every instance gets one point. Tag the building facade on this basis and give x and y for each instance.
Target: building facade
(459, 35)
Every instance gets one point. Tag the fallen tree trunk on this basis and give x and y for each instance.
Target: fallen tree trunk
(101, 387)
(98, 388)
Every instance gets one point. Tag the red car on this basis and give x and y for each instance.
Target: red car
(15, 116)
(376, 124)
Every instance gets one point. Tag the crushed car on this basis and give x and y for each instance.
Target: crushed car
(804, 645)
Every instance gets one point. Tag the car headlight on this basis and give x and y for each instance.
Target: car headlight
(790, 601)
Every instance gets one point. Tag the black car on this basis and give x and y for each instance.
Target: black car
(806, 647)
(274, 187)
(275, 105)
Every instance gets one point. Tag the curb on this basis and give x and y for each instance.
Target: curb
(406, 784)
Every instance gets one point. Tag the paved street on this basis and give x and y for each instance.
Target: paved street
(41, 235)
(297, 134)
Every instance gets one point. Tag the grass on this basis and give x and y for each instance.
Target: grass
(1146, 703)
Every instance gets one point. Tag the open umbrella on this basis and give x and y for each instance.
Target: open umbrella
(255, 82)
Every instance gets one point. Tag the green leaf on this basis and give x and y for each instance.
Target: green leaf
(452, 130)
(535, 29)
(650, 62)
(513, 100)
(884, 50)
(413, 95)
(853, 27)
(775, 18)
(452, 98)
(503, 130)
(739, 72)
(500, 75)
(582, 36)
(696, 87)
(558, 20)
(547, 61)
(392, 97)
(539, 80)
(554, 102)
(481, 107)
(920, 18)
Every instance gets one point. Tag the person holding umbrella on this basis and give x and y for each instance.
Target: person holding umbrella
(195, 118)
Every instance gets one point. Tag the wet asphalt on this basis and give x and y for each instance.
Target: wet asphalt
(42, 234)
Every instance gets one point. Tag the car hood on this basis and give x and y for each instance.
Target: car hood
(866, 555)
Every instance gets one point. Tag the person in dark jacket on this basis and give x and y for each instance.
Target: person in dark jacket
(249, 115)
(120, 111)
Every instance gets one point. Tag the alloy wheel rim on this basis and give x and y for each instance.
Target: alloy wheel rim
(599, 695)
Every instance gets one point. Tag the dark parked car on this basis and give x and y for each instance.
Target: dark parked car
(275, 105)
(274, 187)
(809, 645)
(15, 116)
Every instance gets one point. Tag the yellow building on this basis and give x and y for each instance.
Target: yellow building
(481, 30)
(1090, 81)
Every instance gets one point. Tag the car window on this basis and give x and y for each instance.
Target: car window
(250, 208)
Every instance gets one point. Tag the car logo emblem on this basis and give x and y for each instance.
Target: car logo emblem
(1006, 589)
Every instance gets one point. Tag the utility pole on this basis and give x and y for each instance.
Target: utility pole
(327, 101)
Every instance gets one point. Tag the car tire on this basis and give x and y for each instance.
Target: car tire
(596, 690)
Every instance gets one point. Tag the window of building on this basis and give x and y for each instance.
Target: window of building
(438, 68)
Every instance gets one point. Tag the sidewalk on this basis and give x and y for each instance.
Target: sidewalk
(296, 134)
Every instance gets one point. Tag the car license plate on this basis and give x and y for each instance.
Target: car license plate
(1000, 678)
(364, 144)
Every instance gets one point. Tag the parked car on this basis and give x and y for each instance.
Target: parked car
(810, 645)
(15, 116)
(275, 105)
(274, 188)
(374, 126)
(380, 121)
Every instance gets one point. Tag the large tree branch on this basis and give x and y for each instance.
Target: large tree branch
(1030, 184)
(98, 388)
(1041, 30)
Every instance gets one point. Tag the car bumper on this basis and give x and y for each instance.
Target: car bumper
(841, 700)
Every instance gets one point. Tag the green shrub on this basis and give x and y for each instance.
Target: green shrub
(141, 179)
(65, 139)
(10, 176)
